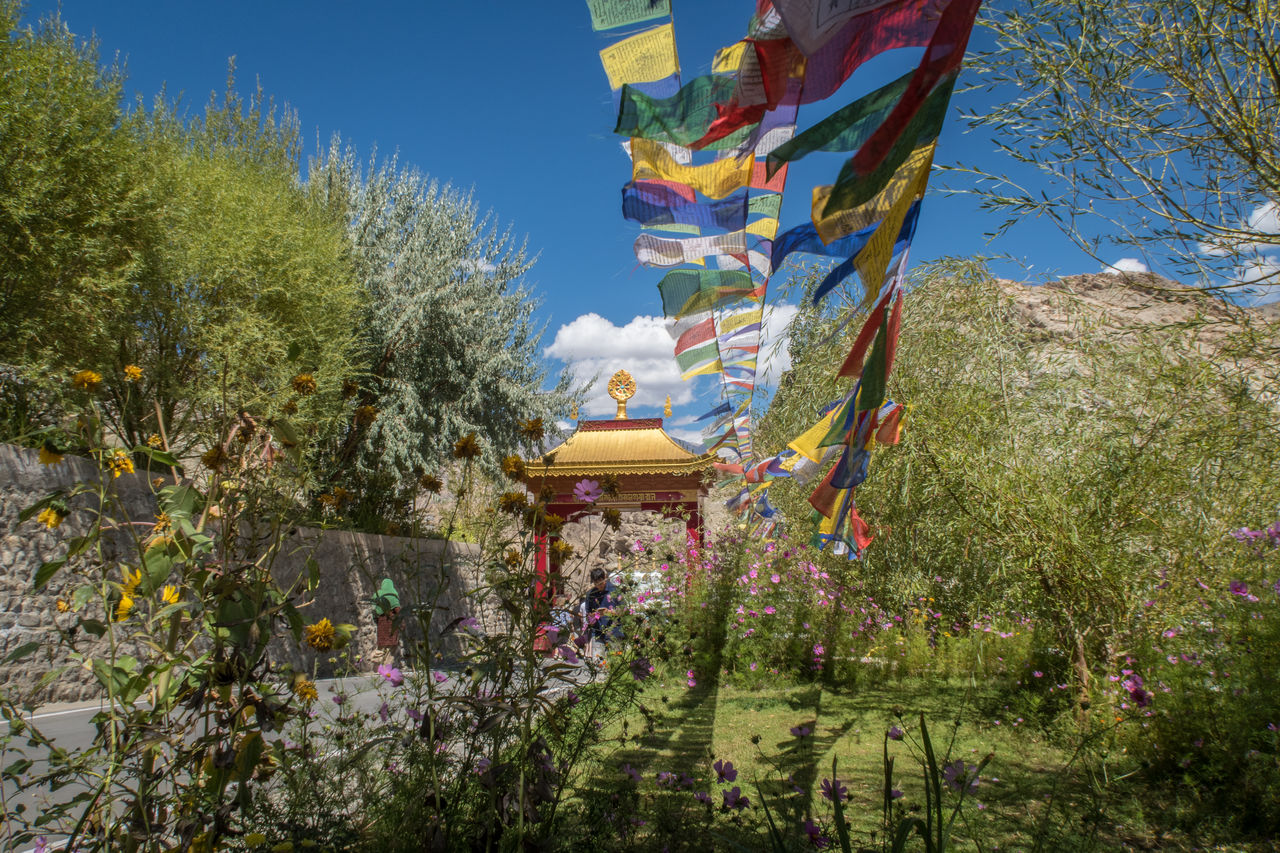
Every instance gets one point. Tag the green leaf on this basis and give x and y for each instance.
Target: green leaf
(158, 456)
(93, 626)
(295, 350)
(22, 651)
(157, 565)
(285, 433)
(313, 573)
(46, 572)
(179, 501)
(81, 596)
(80, 544)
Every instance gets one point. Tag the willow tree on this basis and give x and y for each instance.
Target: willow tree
(1141, 125)
(1064, 475)
(446, 332)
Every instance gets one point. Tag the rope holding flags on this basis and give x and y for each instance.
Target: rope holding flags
(710, 160)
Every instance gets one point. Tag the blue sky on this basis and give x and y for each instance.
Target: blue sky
(508, 100)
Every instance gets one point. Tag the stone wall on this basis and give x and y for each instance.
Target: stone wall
(427, 575)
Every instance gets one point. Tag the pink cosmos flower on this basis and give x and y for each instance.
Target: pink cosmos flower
(390, 673)
(587, 491)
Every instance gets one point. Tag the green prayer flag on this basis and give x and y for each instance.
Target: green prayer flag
(687, 292)
(682, 118)
(851, 189)
(871, 396)
(844, 130)
(769, 204)
(608, 14)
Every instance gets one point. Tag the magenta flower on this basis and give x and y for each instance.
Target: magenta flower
(896, 733)
(390, 673)
(1239, 588)
(724, 771)
(339, 698)
(801, 731)
(816, 838)
(775, 578)
(440, 677)
(384, 713)
(640, 668)
(733, 798)
(702, 797)
(959, 775)
(834, 791)
(587, 491)
(632, 772)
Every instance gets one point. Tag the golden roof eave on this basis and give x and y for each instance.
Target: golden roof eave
(636, 446)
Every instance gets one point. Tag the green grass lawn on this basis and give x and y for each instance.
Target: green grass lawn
(1037, 792)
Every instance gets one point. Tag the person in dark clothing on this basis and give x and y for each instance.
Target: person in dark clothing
(598, 606)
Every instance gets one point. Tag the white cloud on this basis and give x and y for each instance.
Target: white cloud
(595, 347)
(1261, 280)
(1125, 265)
(775, 340)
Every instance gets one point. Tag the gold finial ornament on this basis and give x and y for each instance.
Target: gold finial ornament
(666, 408)
(622, 388)
(573, 412)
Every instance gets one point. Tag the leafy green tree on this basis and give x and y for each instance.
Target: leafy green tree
(1153, 123)
(70, 207)
(1064, 476)
(246, 285)
(446, 331)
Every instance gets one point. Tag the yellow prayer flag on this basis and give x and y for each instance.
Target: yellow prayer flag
(766, 228)
(844, 222)
(728, 59)
(731, 322)
(806, 444)
(874, 258)
(705, 370)
(644, 57)
(651, 162)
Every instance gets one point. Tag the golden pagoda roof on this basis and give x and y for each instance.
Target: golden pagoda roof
(620, 446)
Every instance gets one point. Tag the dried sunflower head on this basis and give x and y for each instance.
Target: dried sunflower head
(513, 503)
(214, 458)
(304, 384)
(366, 415)
(532, 430)
(430, 483)
(466, 447)
(553, 523)
(612, 519)
(513, 467)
